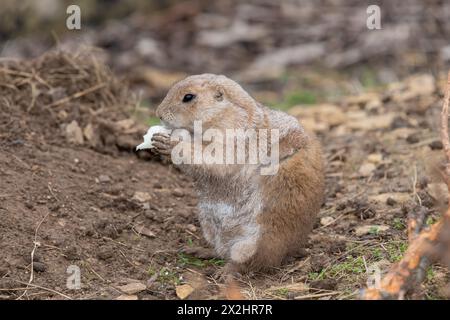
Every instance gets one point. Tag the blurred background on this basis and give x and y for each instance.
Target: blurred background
(67, 121)
(286, 52)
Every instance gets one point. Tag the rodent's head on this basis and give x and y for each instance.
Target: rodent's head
(215, 100)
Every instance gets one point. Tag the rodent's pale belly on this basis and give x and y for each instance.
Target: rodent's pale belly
(225, 224)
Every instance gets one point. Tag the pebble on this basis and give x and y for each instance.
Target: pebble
(363, 230)
(39, 266)
(436, 145)
(326, 220)
(413, 138)
(132, 288)
(178, 193)
(103, 178)
(183, 291)
(390, 201)
(366, 169)
(191, 228)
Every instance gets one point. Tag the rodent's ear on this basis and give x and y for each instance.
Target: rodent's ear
(218, 94)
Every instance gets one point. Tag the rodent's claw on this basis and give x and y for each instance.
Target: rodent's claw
(161, 136)
(161, 148)
(228, 271)
(162, 144)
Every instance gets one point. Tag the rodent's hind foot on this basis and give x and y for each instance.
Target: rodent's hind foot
(232, 270)
(229, 271)
(200, 252)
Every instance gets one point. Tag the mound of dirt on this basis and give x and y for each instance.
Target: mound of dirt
(67, 97)
(113, 216)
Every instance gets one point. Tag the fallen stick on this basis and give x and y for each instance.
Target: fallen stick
(411, 270)
(76, 95)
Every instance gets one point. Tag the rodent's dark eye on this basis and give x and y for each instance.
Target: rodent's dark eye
(188, 97)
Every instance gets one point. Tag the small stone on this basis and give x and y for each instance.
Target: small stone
(29, 205)
(370, 229)
(132, 288)
(89, 133)
(366, 169)
(390, 201)
(191, 228)
(436, 145)
(375, 158)
(184, 291)
(146, 206)
(326, 220)
(39, 266)
(142, 196)
(62, 115)
(178, 193)
(103, 178)
(74, 134)
(413, 138)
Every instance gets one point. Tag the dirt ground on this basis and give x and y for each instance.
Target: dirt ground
(73, 193)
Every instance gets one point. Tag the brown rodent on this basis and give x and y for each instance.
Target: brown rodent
(253, 221)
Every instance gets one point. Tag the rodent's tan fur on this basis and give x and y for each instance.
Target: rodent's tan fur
(252, 220)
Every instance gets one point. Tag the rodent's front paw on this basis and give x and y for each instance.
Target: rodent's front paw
(162, 144)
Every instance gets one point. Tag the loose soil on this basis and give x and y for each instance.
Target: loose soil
(125, 218)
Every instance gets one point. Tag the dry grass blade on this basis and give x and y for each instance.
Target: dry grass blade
(76, 95)
(35, 244)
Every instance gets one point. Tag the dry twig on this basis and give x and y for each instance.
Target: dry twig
(35, 245)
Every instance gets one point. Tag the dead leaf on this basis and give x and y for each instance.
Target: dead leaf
(142, 230)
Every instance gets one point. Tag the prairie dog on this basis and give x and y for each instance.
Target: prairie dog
(251, 220)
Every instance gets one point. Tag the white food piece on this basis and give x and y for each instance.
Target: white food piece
(147, 144)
